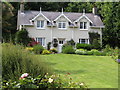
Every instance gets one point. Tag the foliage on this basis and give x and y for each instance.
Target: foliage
(38, 49)
(81, 51)
(17, 60)
(68, 49)
(84, 46)
(71, 42)
(32, 42)
(22, 37)
(93, 35)
(45, 52)
(92, 52)
(29, 49)
(46, 81)
(96, 44)
(53, 50)
(55, 42)
(48, 45)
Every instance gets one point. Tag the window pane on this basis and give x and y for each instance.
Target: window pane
(59, 25)
(64, 24)
(81, 25)
(38, 23)
(85, 25)
(82, 40)
(42, 24)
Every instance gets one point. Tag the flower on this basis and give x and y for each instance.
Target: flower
(24, 75)
(81, 84)
(118, 60)
(50, 80)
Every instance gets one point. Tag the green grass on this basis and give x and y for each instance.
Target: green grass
(94, 71)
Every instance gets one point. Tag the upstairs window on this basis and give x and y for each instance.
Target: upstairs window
(62, 25)
(40, 24)
(83, 25)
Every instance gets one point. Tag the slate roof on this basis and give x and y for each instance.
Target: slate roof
(24, 18)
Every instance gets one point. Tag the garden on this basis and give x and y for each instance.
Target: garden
(29, 65)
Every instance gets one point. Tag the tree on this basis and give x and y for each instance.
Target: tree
(22, 37)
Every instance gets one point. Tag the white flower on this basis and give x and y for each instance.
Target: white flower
(50, 80)
(81, 84)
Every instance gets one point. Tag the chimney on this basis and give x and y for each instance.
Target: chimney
(94, 10)
(22, 7)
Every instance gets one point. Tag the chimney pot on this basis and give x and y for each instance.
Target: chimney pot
(94, 11)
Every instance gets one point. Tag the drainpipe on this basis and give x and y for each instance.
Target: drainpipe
(101, 36)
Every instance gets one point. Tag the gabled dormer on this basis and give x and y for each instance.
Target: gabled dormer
(40, 21)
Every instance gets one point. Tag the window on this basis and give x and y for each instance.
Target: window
(60, 41)
(83, 25)
(41, 41)
(83, 41)
(62, 25)
(40, 24)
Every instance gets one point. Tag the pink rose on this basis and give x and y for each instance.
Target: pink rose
(24, 75)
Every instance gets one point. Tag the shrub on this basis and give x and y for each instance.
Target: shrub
(16, 60)
(71, 42)
(45, 52)
(53, 81)
(22, 37)
(29, 49)
(32, 43)
(68, 49)
(55, 42)
(81, 51)
(96, 44)
(53, 50)
(48, 45)
(38, 49)
(84, 46)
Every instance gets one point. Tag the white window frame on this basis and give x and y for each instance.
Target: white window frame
(40, 24)
(62, 22)
(83, 26)
(86, 41)
(43, 39)
(61, 41)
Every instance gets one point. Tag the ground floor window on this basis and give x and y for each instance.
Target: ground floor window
(41, 40)
(83, 41)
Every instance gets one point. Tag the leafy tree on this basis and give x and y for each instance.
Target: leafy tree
(22, 37)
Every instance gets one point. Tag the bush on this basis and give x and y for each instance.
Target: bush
(38, 49)
(45, 52)
(53, 50)
(96, 44)
(32, 43)
(68, 49)
(48, 45)
(29, 49)
(81, 51)
(53, 81)
(22, 37)
(16, 60)
(84, 46)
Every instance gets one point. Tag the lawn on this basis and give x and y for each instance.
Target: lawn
(95, 71)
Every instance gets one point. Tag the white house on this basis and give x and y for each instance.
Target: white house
(44, 26)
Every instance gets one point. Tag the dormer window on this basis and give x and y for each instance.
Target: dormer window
(40, 24)
(62, 25)
(83, 25)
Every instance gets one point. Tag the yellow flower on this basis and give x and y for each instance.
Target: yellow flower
(50, 80)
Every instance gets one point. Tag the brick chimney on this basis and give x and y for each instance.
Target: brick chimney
(22, 6)
(94, 10)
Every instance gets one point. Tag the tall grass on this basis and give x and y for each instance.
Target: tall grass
(16, 60)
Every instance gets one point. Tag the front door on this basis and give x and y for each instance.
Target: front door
(61, 42)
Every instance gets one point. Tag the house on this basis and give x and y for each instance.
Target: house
(44, 26)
